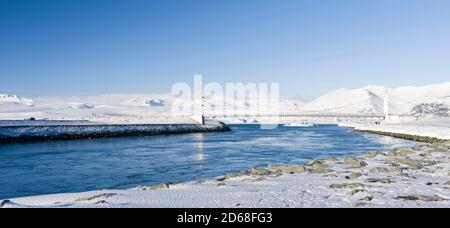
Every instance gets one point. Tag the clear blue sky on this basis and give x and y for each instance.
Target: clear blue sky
(71, 47)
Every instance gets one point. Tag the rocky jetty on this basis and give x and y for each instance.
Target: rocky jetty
(24, 133)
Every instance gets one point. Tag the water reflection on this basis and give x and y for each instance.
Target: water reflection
(199, 156)
(200, 145)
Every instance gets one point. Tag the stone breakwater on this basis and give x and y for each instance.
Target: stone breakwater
(18, 134)
(417, 138)
(428, 132)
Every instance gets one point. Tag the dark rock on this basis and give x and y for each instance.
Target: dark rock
(288, 169)
(157, 187)
(373, 154)
(354, 162)
(314, 162)
(4, 203)
(366, 199)
(412, 164)
(253, 180)
(403, 151)
(347, 185)
(101, 202)
(420, 198)
(379, 170)
(105, 195)
(200, 181)
(321, 169)
(221, 178)
(260, 172)
(426, 154)
(356, 191)
(353, 175)
(380, 180)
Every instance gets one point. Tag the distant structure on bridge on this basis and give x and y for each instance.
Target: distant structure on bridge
(387, 118)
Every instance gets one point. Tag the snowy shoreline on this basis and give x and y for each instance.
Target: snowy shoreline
(426, 131)
(403, 177)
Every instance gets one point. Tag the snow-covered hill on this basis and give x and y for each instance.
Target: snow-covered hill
(370, 100)
(360, 101)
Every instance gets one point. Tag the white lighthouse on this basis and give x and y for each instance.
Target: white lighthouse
(199, 113)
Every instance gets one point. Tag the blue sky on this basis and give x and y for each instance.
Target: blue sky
(73, 47)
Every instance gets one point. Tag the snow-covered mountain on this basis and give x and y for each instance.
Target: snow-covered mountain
(156, 108)
(367, 100)
(434, 109)
(14, 100)
(370, 100)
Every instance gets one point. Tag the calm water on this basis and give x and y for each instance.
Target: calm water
(74, 166)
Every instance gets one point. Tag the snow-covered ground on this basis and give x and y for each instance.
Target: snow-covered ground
(403, 177)
(435, 128)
